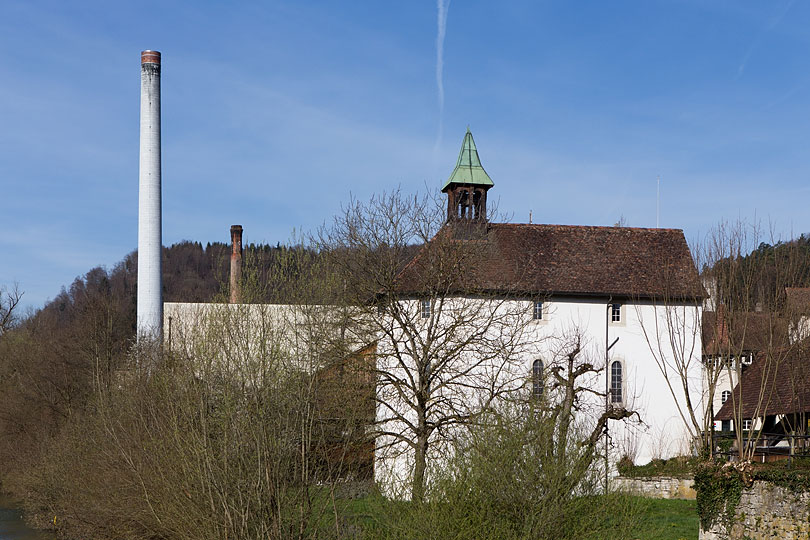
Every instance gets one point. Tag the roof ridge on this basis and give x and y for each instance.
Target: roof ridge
(538, 225)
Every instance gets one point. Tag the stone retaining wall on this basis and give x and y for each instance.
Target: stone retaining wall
(766, 511)
(663, 487)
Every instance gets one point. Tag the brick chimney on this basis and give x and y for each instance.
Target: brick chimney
(236, 264)
(721, 330)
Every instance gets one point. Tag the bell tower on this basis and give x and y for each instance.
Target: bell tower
(468, 185)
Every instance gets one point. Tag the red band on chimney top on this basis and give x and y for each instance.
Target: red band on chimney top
(150, 57)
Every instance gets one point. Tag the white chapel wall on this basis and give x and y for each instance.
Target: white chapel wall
(662, 433)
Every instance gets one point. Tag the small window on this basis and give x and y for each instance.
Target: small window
(726, 425)
(615, 313)
(747, 423)
(537, 378)
(616, 382)
(537, 314)
(724, 396)
(425, 309)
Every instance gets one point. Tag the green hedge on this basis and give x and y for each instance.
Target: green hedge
(677, 467)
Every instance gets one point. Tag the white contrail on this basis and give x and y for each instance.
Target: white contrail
(758, 40)
(443, 6)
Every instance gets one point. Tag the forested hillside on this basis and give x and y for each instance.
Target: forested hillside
(191, 273)
(755, 279)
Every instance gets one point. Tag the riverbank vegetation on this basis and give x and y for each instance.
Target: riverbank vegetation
(215, 438)
(251, 420)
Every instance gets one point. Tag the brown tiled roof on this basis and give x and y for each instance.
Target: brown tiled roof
(568, 260)
(738, 333)
(783, 376)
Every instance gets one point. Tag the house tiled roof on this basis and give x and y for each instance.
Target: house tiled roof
(741, 333)
(781, 378)
(621, 262)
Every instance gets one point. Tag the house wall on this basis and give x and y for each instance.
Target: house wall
(303, 335)
(662, 432)
(726, 382)
(234, 333)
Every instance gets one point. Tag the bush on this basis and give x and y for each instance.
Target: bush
(677, 467)
(170, 454)
(505, 482)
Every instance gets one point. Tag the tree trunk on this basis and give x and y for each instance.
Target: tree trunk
(420, 464)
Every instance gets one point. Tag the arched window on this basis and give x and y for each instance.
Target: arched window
(724, 396)
(616, 382)
(463, 203)
(537, 378)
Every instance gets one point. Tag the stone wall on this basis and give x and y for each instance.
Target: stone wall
(663, 487)
(766, 511)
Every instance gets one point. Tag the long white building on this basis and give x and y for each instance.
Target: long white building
(539, 290)
(507, 306)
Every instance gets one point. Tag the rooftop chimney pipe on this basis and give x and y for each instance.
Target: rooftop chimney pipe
(150, 287)
(236, 264)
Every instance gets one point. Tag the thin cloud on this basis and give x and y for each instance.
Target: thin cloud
(441, 20)
(755, 44)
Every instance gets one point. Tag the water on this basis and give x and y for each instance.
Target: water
(12, 526)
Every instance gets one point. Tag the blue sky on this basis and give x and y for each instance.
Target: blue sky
(275, 112)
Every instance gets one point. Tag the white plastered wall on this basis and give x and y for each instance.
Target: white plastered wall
(661, 406)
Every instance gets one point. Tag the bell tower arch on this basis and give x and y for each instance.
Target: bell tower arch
(468, 185)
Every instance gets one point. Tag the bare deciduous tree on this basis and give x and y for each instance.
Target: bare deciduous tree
(745, 280)
(231, 434)
(749, 269)
(9, 308)
(672, 331)
(530, 467)
(447, 348)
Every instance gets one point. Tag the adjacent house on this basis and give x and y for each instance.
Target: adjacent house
(763, 383)
(773, 397)
(730, 344)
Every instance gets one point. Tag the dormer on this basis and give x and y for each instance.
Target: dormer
(468, 185)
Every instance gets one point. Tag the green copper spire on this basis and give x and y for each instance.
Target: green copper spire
(468, 167)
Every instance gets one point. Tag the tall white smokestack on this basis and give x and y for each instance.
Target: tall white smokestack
(150, 286)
